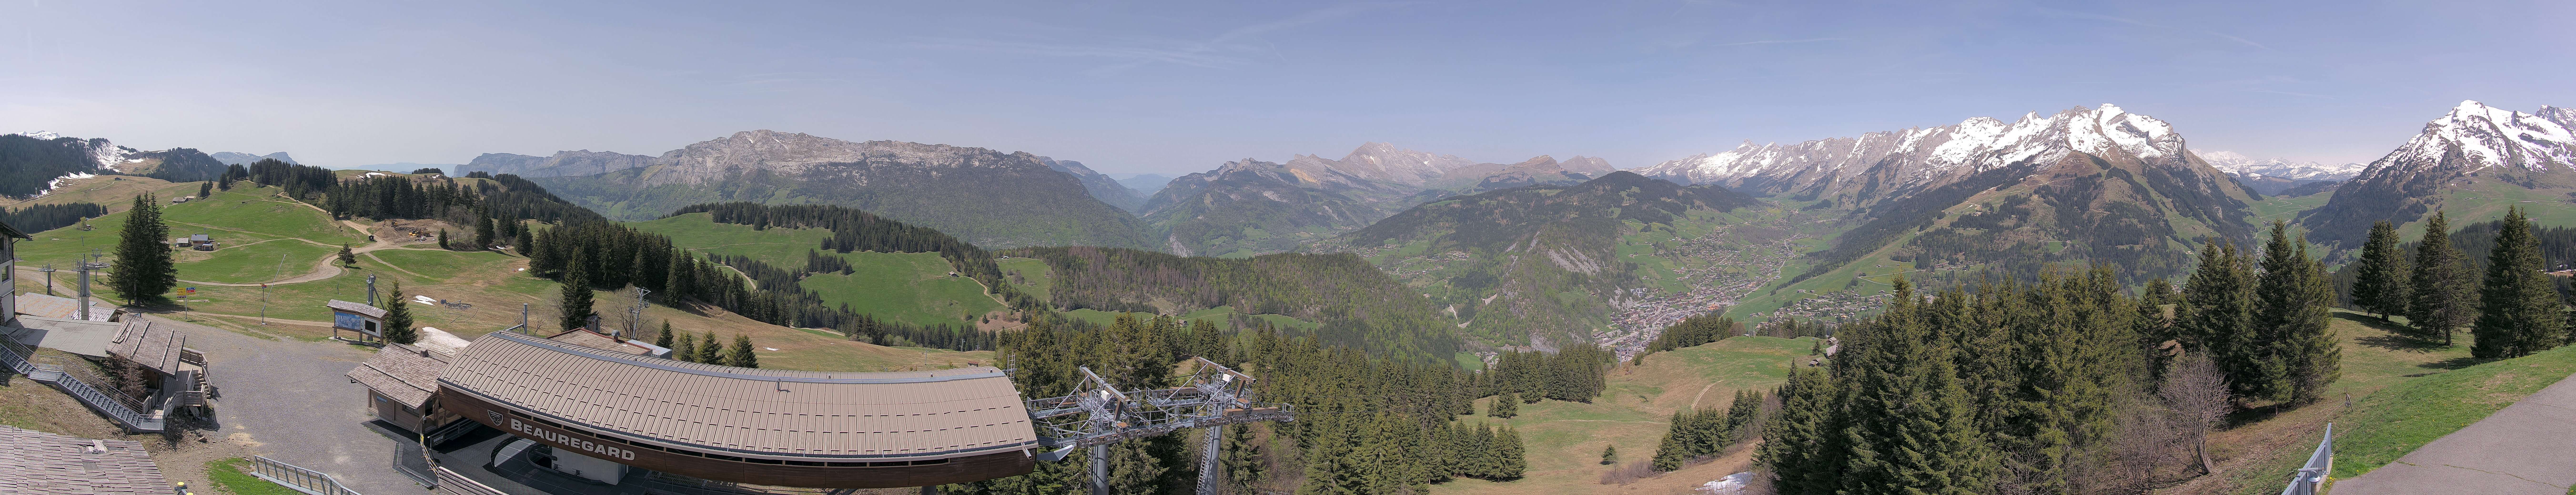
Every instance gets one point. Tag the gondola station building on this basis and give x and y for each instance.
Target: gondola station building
(517, 413)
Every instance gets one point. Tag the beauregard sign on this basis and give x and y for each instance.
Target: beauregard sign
(592, 447)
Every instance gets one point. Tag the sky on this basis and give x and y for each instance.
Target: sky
(1177, 87)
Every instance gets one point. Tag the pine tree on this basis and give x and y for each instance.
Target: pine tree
(2217, 317)
(1798, 443)
(442, 239)
(575, 306)
(685, 349)
(1505, 406)
(527, 240)
(710, 351)
(1609, 455)
(398, 318)
(1914, 430)
(2379, 284)
(1675, 447)
(348, 258)
(1510, 458)
(2442, 297)
(664, 339)
(2291, 321)
(1132, 469)
(143, 270)
(2519, 309)
(1242, 461)
(740, 355)
(206, 190)
(482, 229)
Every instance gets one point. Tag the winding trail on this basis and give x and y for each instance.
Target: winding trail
(323, 269)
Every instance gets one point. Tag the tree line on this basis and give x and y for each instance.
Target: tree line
(1691, 332)
(1698, 435)
(855, 230)
(1355, 303)
(2513, 307)
(2043, 387)
(40, 218)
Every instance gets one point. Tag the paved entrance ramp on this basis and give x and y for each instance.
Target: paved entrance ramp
(2527, 448)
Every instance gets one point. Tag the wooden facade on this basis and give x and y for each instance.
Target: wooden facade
(675, 458)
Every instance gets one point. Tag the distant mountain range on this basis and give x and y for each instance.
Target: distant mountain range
(2276, 175)
(31, 162)
(1143, 184)
(1250, 207)
(1101, 187)
(232, 158)
(2087, 184)
(991, 198)
(2473, 161)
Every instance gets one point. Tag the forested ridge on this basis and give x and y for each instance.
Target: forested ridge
(26, 162)
(40, 218)
(1357, 304)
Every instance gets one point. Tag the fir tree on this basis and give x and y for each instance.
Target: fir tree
(685, 349)
(1609, 455)
(348, 258)
(1132, 469)
(483, 234)
(2293, 301)
(1242, 461)
(664, 339)
(1799, 442)
(710, 351)
(1674, 450)
(2519, 312)
(1505, 406)
(2442, 298)
(1915, 432)
(398, 318)
(575, 306)
(143, 270)
(2379, 284)
(206, 190)
(527, 241)
(740, 355)
(1510, 458)
(442, 239)
(2217, 317)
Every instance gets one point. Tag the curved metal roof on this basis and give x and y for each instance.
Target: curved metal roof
(763, 413)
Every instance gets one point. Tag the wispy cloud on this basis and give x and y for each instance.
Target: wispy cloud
(2134, 22)
(2285, 93)
(1779, 42)
(1215, 53)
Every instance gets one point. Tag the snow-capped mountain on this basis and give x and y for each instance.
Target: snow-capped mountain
(2239, 165)
(1878, 165)
(2457, 150)
(2115, 188)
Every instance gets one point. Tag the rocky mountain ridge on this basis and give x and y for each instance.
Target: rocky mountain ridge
(562, 163)
(2239, 165)
(1251, 206)
(2474, 146)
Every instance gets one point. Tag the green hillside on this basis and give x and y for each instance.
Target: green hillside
(912, 288)
(1565, 438)
(260, 237)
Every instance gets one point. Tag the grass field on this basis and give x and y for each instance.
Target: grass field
(911, 288)
(444, 265)
(2397, 420)
(1564, 439)
(2261, 449)
(256, 262)
(230, 475)
(907, 287)
(1034, 279)
(252, 230)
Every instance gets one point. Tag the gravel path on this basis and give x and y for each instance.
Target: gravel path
(291, 400)
(2527, 448)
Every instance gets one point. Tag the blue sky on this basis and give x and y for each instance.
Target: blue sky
(1176, 87)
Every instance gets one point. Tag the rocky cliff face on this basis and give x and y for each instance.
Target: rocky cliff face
(2526, 152)
(562, 163)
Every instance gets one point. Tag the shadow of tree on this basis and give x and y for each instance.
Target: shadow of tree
(2453, 363)
(2396, 338)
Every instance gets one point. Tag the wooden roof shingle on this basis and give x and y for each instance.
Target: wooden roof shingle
(38, 462)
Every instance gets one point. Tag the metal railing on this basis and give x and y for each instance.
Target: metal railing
(77, 381)
(450, 482)
(300, 479)
(13, 357)
(2313, 474)
(105, 386)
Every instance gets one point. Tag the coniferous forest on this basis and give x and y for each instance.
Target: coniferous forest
(40, 218)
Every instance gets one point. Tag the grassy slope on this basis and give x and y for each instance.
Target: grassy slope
(1564, 439)
(912, 288)
(491, 282)
(252, 228)
(2397, 420)
(2257, 454)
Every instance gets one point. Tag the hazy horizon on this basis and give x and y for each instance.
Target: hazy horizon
(1178, 89)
